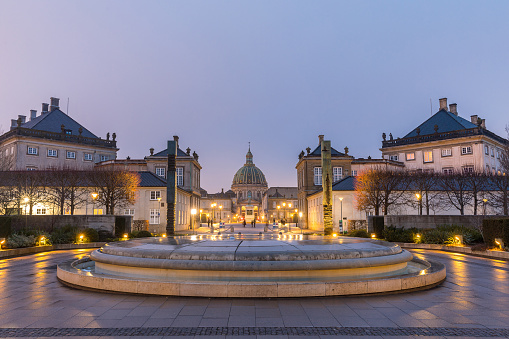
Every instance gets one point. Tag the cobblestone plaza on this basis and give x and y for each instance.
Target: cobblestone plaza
(473, 301)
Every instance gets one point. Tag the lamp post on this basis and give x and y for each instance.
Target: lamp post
(419, 199)
(193, 213)
(284, 212)
(341, 221)
(201, 211)
(26, 200)
(297, 217)
(484, 206)
(220, 212)
(278, 208)
(213, 205)
(95, 195)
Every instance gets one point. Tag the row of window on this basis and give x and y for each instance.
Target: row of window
(428, 155)
(337, 174)
(161, 172)
(53, 153)
(491, 150)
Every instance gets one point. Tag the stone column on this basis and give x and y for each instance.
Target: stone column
(171, 188)
(327, 185)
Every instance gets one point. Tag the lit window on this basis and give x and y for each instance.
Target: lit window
(104, 157)
(180, 176)
(155, 194)
(466, 150)
(32, 150)
(98, 211)
(88, 157)
(70, 155)
(354, 173)
(52, 153)
(318, 175)
(337, 173)
(129, 211)
(393, 157)
(428, 156)
(154, 216)
(446, 152)
(410, 156)
(448, 170)
(40, 211)
(161, 171)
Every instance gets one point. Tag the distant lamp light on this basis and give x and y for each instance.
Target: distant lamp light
(95, 195)
(126, 236)
(193, 211)
(164, 235)
(334, 235)
(373, 236)
(26, 200)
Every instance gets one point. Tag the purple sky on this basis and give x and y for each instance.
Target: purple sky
(276, 73)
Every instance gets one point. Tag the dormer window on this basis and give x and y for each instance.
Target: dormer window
(68, 131)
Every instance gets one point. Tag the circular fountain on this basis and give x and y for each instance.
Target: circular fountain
(252, 266)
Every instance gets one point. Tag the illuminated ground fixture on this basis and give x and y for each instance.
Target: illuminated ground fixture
(250, 266)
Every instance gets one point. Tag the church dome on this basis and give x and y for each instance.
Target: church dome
(249, 174)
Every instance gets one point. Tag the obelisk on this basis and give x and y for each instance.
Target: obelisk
(171, 187)
(327, 186)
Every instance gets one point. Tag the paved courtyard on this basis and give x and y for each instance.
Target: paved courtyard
(474, 301)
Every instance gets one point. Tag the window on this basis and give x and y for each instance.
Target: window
(180, 176)
(98, 211)
(52, 153)
(393, 157)
(466, 150)
(493, 152)
(70, 155)
(337, 173)
(446, 152)
(354, 173)
(448, 170)
(40, 211)
(32, 150)
(104, 157)
(487, 168)
(161, 172)
(154, 216)
(87, 156)
(249, 194)
(68, 131)
(154, 195)
(428, 156)
(31, 168)
(273, 204)
(129, 211)
(486, 150)
(498, 154)
(318, 175)
(410, 156)
(468, 169)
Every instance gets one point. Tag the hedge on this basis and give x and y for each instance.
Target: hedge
(5, 226)
(378, 226)
(495, 228)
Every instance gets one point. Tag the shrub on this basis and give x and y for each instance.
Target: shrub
(5, 226)
(378, 226)
(495, 228)
(64, 235)
(392, 233)
(89, 235)
(20, 240)
(140, 234)
(105, 235)
(359, 234)
(120, 226)
(327, 231)
(445, 235)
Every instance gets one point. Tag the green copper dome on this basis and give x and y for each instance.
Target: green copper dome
(249, 173)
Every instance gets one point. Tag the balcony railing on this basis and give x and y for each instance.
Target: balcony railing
(78, 139)
(442, 136)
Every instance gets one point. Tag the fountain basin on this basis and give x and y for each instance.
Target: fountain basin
(252, 266)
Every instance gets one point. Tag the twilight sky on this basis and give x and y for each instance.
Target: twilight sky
(276, 73)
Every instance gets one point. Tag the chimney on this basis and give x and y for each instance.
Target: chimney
(14, 123)
(176, 139)
(473, 119)
(443, 104)
(23, 118)
(320, 139)
(33, 114)
(483, 123)
(44, 108)
(54, 104)
(453, 109)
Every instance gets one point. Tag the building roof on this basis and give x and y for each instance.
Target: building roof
(164, 153)
(318, 152)
(52, 122)
(446, 122)
(149, 179)
(249, 173)
(282, 192)
(346, 184)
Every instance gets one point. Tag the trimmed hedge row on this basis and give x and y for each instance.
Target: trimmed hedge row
(495, 228)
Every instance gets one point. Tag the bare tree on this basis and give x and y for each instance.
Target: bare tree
(457, 190)
(116, 188)
(423, 187)
(499, 192)
(379, 189)
(478, 185)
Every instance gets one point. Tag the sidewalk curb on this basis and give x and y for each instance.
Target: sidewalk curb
(493, 254)
(15, 252)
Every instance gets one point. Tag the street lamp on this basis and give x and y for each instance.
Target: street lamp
(341, 221)
(26, 200)
(484, 206)
(220, 212)
(419, 199)
(284, 211)
(213, 205)
(193, 213)
(278, 208)
(95, 195)
(297, 217)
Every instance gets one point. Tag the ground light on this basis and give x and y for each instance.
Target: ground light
(81, 237)
(126, 236)
(2, 241)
